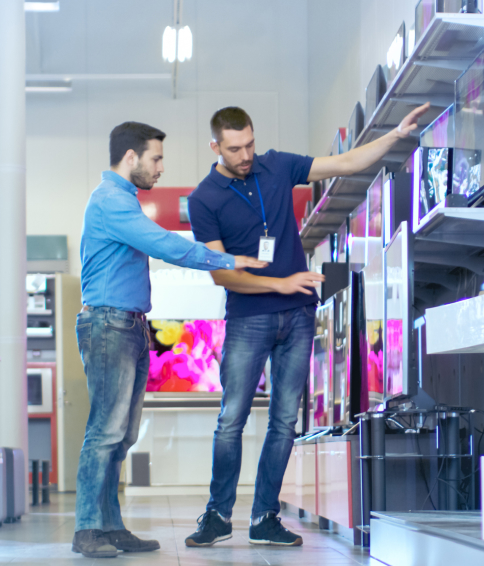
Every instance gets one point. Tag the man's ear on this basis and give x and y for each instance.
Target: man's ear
(131, 158)
(215, 147)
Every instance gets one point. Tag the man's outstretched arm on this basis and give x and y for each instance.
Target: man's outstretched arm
(363, 157)
(249, 284)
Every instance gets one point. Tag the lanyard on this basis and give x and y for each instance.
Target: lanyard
(251, 205)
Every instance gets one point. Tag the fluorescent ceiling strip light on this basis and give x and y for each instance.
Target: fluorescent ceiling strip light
(48, 86)
(42, 6)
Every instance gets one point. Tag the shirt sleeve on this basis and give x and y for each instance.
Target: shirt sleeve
(203, 220)
(125, 222)
(298, 167)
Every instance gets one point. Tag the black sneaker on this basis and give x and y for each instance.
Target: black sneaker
(211, 529)
(125, 540)
(271, 531)
(93, 544)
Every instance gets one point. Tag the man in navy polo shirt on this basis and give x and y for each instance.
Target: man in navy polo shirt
(244, 206)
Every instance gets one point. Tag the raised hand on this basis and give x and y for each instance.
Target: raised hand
(300, 283)
(410, 122)
(242, 261)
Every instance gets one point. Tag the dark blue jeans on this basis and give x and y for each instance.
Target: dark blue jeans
(114, 347)
(287, 338)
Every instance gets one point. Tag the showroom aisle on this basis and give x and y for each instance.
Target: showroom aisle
(44, 536)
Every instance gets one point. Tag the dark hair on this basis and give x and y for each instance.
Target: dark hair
(229, 118)
(131, 135)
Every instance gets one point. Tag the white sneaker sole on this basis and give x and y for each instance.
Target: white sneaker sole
(218, 539)
(297, 542)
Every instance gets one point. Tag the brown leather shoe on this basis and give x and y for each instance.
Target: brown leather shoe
(125, 540)
(93, 544)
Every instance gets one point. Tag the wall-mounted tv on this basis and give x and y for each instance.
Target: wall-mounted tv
(187, 356)
(426, 10)
(396, 55)
(357, 237)
(342, 243)
(441, 132)
(374, 240)
(375, 91)
(323, 366)
(355, 125)
(401, 378)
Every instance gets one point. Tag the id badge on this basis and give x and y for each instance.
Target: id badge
(267, 246)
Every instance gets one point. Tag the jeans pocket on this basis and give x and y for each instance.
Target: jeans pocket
(309, 310)
(120, 323)
(83, 332)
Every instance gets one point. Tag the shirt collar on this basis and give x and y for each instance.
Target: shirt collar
(224, 181)
(119, 181)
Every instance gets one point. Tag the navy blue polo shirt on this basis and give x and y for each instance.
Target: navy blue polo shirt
(218, 213)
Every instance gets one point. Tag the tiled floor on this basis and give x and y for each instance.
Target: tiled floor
(44, 536)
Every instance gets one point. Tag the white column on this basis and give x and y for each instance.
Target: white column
(13, 388)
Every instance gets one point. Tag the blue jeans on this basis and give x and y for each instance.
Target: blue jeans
(286, 337)
(114, 347)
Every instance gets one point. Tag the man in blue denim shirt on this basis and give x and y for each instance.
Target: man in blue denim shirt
(245, 205)
(113, 336)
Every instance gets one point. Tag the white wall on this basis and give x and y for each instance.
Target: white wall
(347, 40)
(253, 54)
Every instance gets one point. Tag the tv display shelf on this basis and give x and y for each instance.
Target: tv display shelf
(445, 50)
(451, 237)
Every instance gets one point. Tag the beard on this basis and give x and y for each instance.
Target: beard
(235, 169)
(141, 178)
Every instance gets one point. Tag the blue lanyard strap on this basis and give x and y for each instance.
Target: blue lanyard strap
(251, 205)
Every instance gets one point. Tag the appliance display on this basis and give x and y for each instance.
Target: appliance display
(426, 10)
(441, 132)
(342, 243)
(401, 379)
(357, 237)
(187, 356)
(375, 91)
(374, 240)
(396, 55)
(323, 366)
(397, 202)
(39, 390)
(469, 132)
(355, 125)
(346, 364)
(372, 347)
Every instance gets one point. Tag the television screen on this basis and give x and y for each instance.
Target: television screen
(342, 304)
(374, 239)
(187, 356)
(342, 242)
(469, 132)
(355, 125)
(424, 13)
(357, 237)
(375, 91)
(441, 132)
(323, 366)
(396, 55)
(400, 379)
(374, 321)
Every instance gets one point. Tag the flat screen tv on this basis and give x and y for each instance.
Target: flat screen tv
(342, 243)
(323, 366)
(375, 91)
(441, 132)
(426, 10)
(346, 361)
(396, 55)
(372, 349)
(469, 132)
(357, 237)
(374, 239)
(187, 356)
(401, 378)
(355, 125)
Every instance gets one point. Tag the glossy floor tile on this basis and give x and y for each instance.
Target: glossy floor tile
(43, 537)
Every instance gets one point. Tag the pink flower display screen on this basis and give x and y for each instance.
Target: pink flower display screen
(187, 356)
(394, 357)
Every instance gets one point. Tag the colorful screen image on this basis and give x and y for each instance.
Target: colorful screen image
(434, 186)
(374, 241)
(394, 357)
(357, 237)
(323, 366)
(374, 330)
(187, 356)
(467, 172)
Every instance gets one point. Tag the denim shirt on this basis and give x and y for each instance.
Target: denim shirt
(117, 239)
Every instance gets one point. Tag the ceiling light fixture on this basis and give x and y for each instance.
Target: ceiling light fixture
(48, 86)
(177, 44)
(42, 6)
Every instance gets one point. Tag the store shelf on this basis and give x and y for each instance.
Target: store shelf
(452, 237)
(446, 49)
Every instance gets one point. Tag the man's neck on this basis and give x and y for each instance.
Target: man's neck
(226, 173)
(121, 172)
